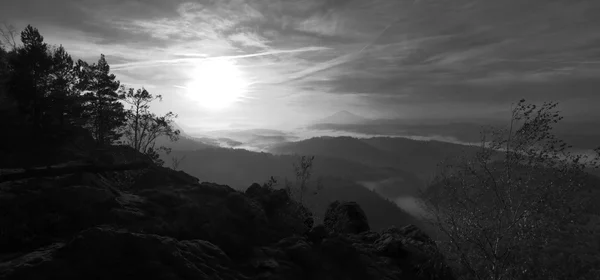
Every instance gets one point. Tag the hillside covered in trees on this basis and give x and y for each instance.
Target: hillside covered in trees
(47, 97)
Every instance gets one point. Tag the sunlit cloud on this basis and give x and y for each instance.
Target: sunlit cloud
(300, 59)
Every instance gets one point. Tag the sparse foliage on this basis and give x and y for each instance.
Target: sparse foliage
(271, 183)
(9, 34)
(502, 210)
(175, 161)
(143, 127)
(303, 172)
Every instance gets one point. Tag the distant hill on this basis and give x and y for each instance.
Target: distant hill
(420, 157)
(343, 117)
(186, 143)
(238, 168)
(412, 156)
(449, 132)
(581, 135)
(343, 147)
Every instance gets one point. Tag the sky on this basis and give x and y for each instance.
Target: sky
(291, 61)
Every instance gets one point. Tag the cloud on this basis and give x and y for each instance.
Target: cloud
(249, 40)
(155, 63)
(308, 57)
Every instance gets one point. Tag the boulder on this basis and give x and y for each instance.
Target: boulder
(108, 253)
(285, 215)
(271, 200)
(157, 177)
(345, 217)
(317, 234)
(43, 210)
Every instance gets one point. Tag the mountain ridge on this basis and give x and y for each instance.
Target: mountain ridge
(342, 117)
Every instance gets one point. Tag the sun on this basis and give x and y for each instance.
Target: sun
(216, 84)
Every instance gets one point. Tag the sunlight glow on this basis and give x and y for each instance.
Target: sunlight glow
(216, 84)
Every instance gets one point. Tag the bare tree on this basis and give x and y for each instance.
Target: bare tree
(144, 127)
(303, 172)
(501, 211)
(8, 33)
(175, 161)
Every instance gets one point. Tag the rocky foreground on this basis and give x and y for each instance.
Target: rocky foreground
(157, 223)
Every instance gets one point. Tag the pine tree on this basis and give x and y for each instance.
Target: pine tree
(104, 113)
(28, 84)
(65, 98)
(4, 74)
(7, 104)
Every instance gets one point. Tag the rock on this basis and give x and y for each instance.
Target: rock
(289, 241)
(370, 236)
(390, 246)
(414, 233)
(215, 213)
(42, 211)
(267, 263)
(38, 264)
(256, 190)
(338, 247)
(345, 217)
(414, 251)
(303, 255)
(157, 177)
(285, 215)
(211, 189)
(317, 234)
(107, 253)
(271, 200)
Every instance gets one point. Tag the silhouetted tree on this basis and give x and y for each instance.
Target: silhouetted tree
(103, 110)
(143, 127)
(51, 96)
(4, 75)
(65, 99)
(8, 108)
(39, 85)
(28, 85)
(503, 210)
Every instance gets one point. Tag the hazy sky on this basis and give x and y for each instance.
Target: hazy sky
(300, 60)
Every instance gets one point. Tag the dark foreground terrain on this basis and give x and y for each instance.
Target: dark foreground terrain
(82, 220)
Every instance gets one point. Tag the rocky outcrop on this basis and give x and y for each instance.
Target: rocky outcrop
(345, 217)
(108, 253)
(158, 223)
(288, 215)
